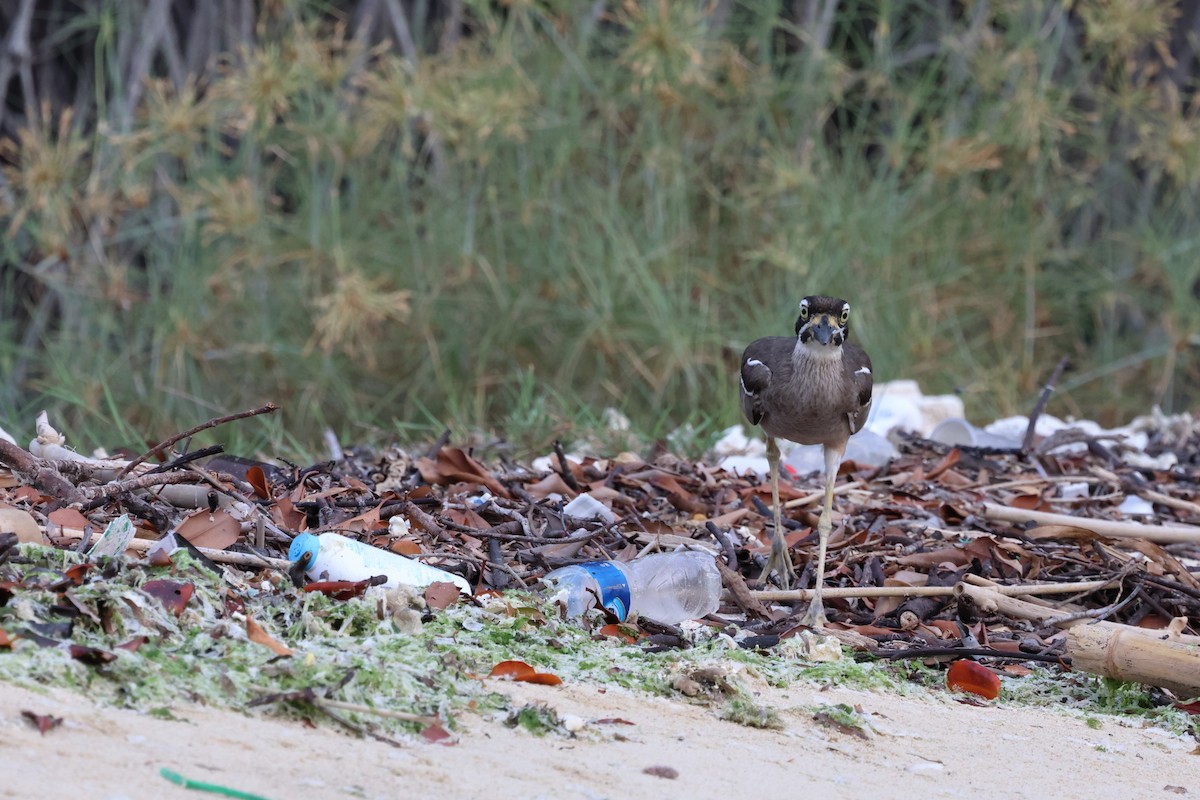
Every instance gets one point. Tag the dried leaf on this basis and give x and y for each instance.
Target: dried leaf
(216, 530)
(659, 771)
(1029, 502)
(405, 547)
(43, 722)
(969, 676)
(172, 594)
(20, 522)
(258, 481)
(551, 484)
(453, 464)
(286, 515)
(92, 656)
(259, 636)
(441, 594)
(613, 721)
(68, 518)
(1064, 532)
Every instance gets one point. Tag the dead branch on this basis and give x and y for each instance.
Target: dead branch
(1040, 406)
(160, 448)
(38, 473)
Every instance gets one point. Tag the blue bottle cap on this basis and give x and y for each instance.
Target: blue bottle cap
(302, 545)
(614, 588)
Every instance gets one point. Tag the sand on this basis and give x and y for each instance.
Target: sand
(928, 747)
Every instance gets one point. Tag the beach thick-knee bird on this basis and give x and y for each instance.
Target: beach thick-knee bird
(811, 388)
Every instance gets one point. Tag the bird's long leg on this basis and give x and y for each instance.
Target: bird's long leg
(780, 559)
(815, 616)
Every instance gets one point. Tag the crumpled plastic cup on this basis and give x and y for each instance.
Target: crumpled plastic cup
(961, 432)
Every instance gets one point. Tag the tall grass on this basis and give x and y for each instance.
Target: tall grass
(553, 214)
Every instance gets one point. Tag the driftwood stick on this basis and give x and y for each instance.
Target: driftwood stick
(1163, 534)
(161, 447)
(219, 556)
(931, 591)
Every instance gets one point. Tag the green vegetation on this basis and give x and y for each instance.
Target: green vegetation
(353, 652)
(525, 213)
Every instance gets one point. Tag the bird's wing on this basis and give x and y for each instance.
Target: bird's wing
(858, 364)
(756, 377)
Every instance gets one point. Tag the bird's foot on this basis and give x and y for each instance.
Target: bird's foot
(815, 616)
(780, 561)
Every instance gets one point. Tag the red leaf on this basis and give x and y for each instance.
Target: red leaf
(133, 644)
(441, 594)
(520, 671)
(75, 572)
(90, 655)
(5, 640)
(969, 676)
(339, 590)
(437, 734)
(621, 632)
(511, 669)
(543, 678)
(1190, 708)
(43, 722)
(172, 594)
(258, 480)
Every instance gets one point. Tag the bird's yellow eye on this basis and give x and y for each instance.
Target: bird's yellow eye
(803, 311)
(845, 313)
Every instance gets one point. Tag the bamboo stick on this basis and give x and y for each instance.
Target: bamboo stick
(1133, 654)
(1163, 534)
(1109, 649)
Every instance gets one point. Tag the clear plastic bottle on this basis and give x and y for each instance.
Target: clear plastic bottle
(334, 557)
(666, 587)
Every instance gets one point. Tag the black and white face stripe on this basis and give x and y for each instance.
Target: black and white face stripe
(823, 321)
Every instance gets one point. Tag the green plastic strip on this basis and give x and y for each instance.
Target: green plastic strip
(188, 783)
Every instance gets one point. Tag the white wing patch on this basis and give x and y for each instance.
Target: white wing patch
(753, 362)
(863, 371)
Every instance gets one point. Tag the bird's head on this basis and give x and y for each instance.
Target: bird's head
(823, 321)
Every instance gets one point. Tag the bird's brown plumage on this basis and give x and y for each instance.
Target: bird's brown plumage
(813, 388)
(804, 397)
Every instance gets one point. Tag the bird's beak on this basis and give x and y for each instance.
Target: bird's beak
(822, 330)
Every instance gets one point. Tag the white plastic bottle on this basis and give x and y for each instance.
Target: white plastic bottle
(666, 587)
(334, 557)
